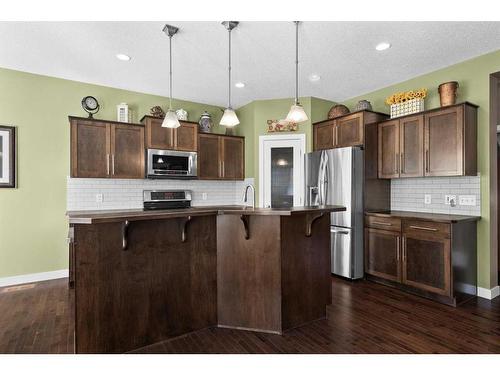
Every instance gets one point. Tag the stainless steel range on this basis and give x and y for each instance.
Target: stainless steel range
(166, 199)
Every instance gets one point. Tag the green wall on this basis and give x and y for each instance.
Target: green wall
(33, 226)
(473, 77)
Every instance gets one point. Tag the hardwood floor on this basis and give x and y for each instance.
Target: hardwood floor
(364, 318)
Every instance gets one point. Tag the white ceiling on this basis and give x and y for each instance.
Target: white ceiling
(342, 53)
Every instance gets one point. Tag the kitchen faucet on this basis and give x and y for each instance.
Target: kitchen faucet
(245, 196)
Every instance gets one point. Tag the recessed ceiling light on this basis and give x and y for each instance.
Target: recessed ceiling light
(123, 57)
(314, 77)
(383, 46)
(239, 85)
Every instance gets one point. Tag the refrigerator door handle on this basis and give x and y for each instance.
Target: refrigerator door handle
(313, 191)
(339, 231)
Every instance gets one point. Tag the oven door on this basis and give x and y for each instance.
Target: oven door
(171, 164)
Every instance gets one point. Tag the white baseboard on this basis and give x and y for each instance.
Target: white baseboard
(33, 277)
(488, 293)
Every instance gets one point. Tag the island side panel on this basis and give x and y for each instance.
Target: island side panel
(158, 288)
(306, 270)
(249, 273)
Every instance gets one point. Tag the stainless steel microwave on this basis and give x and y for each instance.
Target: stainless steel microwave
(171, 164)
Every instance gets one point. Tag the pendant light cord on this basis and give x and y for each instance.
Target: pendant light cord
(170, 50)
(296, 62)
(229, 72)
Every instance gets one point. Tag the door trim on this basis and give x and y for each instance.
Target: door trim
(301, 137)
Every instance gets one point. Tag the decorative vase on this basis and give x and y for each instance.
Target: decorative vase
(205, 122)
(363, 105)
(156, 111)
(448, 93)
(182, 114)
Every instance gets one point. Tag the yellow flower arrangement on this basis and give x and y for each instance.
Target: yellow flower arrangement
(402, 97)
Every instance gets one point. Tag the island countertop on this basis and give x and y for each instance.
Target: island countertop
(107, 216)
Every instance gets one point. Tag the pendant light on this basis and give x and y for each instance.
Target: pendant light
(229, 117)
(297, 113)
(171, 120)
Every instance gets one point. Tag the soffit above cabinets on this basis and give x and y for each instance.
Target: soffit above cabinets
(341, 53)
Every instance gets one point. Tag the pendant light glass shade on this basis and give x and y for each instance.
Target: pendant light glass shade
(171, 120)
(229, 118)
(297, 114)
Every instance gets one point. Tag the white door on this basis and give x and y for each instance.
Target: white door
(281, 170)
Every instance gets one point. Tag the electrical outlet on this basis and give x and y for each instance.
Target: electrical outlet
(427, 199)
(204, 196)
(450, 200)
(99, 198)
(467, 200)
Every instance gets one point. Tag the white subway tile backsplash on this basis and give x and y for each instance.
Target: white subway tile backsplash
(407, 194)
(124, 194)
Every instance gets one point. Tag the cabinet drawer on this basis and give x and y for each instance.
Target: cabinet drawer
(386, 223)
(417, 227)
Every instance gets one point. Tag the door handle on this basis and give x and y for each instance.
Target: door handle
(107, 164)
(396, 162)
(402, 162)
(113, 164)
(339, 231)
(336, 135)
(427, 160)
(398, 249)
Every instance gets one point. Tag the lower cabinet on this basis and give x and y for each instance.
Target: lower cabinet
(433, 259)
(382, 254)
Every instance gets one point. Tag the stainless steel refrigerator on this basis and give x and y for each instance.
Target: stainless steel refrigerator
(336, 177)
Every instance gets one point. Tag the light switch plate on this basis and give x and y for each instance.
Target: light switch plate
(204, 196)
(467, 200)
(99, 198)
(450, 200)
(427, 199)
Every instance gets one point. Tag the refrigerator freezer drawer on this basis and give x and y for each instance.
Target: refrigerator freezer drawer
(341, 242)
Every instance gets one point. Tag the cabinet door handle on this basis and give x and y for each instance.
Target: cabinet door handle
(398, 250)
(404, 249)
(402, 162)
(336, 135)
(382, 223)
(396, 160)
(113, 164)
(107, 164)
(423, 228)
(427, 161)
(223, 172)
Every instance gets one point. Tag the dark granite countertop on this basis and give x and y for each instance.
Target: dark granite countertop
(106, 216)
(442, 218)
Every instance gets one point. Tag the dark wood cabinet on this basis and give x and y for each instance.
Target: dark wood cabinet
(411, 146)
(221, 157)
(349, 130)
(439, 142)
(344, 131)
(388, 145)
(106, 149)
(183, 138)
(382, 254)
(127, 151)
(90, 148)
(426, 262)
(324, 135)
(435, 259)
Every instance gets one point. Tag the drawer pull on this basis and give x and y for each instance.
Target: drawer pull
(423, 228)
(382, 223)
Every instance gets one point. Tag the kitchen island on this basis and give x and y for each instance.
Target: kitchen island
(141, 277)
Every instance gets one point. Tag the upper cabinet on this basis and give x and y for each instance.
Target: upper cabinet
(221, 157)
(183, 138)
(344, 131)
(440, 142)
(106, 149)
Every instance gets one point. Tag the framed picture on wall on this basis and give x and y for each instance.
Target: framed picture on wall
(7, 156)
